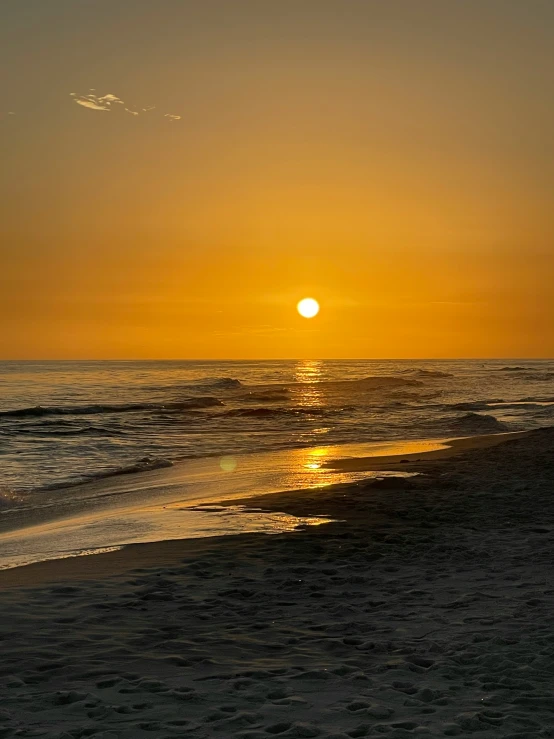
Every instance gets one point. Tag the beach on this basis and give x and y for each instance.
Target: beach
(277, 369)
(97, 455)
(424, 609)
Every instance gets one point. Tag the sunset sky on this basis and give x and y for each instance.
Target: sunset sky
(176, 175)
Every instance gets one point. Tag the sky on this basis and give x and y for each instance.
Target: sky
(177, 175)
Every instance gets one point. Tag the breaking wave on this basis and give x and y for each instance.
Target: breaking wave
(142, 465)
(531, 373)
(476, 423)
(146, 464)
(88, 410)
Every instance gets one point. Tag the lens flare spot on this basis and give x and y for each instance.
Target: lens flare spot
(228, 464)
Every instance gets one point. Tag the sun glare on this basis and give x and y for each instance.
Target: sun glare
(308, 308)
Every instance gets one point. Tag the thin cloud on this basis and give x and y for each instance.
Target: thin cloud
(92, 101)
(90, 104)
(109, 98)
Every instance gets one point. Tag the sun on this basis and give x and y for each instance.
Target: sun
(308, 307)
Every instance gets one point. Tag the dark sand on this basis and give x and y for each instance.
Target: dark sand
(398, 462)
(426, 610)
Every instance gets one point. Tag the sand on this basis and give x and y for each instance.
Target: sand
(426, 610)
(448, 448)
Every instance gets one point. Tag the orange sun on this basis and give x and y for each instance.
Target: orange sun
(308, 307)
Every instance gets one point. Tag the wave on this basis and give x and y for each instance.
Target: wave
(142, 465)
(204, 384)
(54, 432)
(545, 412)
(266, 396)
(476, 423)
(282, 392)
(220, 382)
(146, 464)
(374, 382)
(406, 395)
(379, 382)
(263, 412)
(531, 373)
(470, 423)
(418, 372)
(254, 412)
(88, 410)
(482, 405)
(478, 405)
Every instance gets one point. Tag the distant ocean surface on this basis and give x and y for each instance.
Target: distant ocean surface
(63, 423)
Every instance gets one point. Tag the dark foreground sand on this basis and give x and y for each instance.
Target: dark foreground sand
(428, 610)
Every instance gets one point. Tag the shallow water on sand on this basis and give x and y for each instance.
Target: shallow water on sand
(177, 502)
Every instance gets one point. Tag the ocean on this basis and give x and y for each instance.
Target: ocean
(80, 440)
(63, 423)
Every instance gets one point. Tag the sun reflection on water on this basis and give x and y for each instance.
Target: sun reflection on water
(308, 374)
(308, 370)
(315, 457)
(312, 461)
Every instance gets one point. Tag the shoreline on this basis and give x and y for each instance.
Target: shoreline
(178, 502)
(304, 502)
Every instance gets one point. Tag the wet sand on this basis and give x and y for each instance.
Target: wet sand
(448, 448)
(424, 610)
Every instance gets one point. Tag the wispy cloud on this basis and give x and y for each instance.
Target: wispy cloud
(110, 98)
(88, 103)
(96, 102)
(92, 101)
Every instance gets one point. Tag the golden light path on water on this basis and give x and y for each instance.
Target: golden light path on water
(308, 394)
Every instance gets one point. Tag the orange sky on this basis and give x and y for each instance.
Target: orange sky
(393, 160)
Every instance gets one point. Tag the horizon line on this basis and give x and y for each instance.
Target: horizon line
(288, 359)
